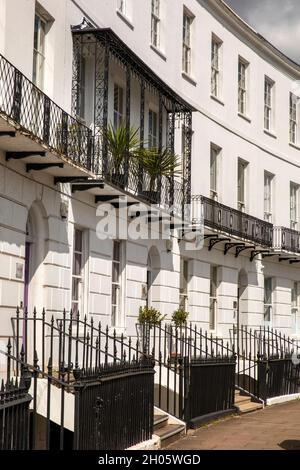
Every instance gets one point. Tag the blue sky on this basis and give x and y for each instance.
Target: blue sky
(277, 20)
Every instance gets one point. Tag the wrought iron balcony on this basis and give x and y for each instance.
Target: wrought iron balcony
(286, 239)
(31, 111)
(36, 114)
(232, 222)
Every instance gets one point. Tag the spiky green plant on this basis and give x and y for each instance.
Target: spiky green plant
(157, 164)
(120, 144)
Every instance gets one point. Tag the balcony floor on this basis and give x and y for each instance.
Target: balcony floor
(25, 142)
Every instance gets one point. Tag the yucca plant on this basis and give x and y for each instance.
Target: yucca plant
(158, 164)
(120, 144)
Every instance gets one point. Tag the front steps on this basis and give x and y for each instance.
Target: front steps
(167, 428)
(245, 403)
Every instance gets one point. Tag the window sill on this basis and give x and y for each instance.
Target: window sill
(295, 146)
(158, 52)
(125, 19)
(270, 133)
(245, 117)
(190, 79)
(218, 100)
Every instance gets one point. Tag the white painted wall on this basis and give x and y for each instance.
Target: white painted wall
(215, 122)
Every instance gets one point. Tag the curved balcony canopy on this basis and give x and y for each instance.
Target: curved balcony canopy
(117, 48)
(110, 59)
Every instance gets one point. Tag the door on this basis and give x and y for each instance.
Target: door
(242, 306)
(26, 276)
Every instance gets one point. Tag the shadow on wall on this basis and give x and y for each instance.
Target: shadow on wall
(25, 248)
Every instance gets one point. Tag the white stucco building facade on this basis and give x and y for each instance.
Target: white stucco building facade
(242, 93)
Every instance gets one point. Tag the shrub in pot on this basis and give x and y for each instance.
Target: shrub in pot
(179, 318)
(148, 317)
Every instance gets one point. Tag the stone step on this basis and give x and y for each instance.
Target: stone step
(241, 399)
(249, 407)
(160, 420)
(170, 433)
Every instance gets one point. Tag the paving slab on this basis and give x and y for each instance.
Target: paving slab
(273, 428)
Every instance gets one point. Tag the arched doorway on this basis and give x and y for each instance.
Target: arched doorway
(242, 306)
(153, 268)
(35, 252)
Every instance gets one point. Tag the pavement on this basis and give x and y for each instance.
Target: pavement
(274, 428)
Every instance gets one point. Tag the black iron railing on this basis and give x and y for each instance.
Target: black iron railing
(35, 113)
(14, 410)
(194, 370)
(279, 376)
(120, 396)
(230, 221)
(81, 359)
(165, 192)
(286, 239)
(265, 362)
(209, 387)
(76, 345)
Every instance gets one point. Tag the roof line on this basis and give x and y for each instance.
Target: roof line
(281, 56)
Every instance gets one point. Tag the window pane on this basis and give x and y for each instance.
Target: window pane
(152, 129)
(213, 170)
(114, 316)
(75, 288)
(41, 43)
(213, 281)
(115, 271)
(116, 251)
(267, 314)
(36, 32)
(115, 294)
(294, 295)
(184, 276)
(212, 316)
(241, 182)
(78, 240)
(77, 264)
(268, 291)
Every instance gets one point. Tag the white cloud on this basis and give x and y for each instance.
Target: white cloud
(278, 21)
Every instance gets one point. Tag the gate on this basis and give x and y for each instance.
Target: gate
(114, 406)
(209, 386)
(14, 411)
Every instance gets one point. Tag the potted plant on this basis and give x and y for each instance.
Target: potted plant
(179, 320)
(148, 317)
(121, 143)
(156, 165)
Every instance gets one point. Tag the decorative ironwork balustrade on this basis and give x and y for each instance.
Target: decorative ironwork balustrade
(230, 221)
(286, 239)
(105, 49)
(35, 113)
